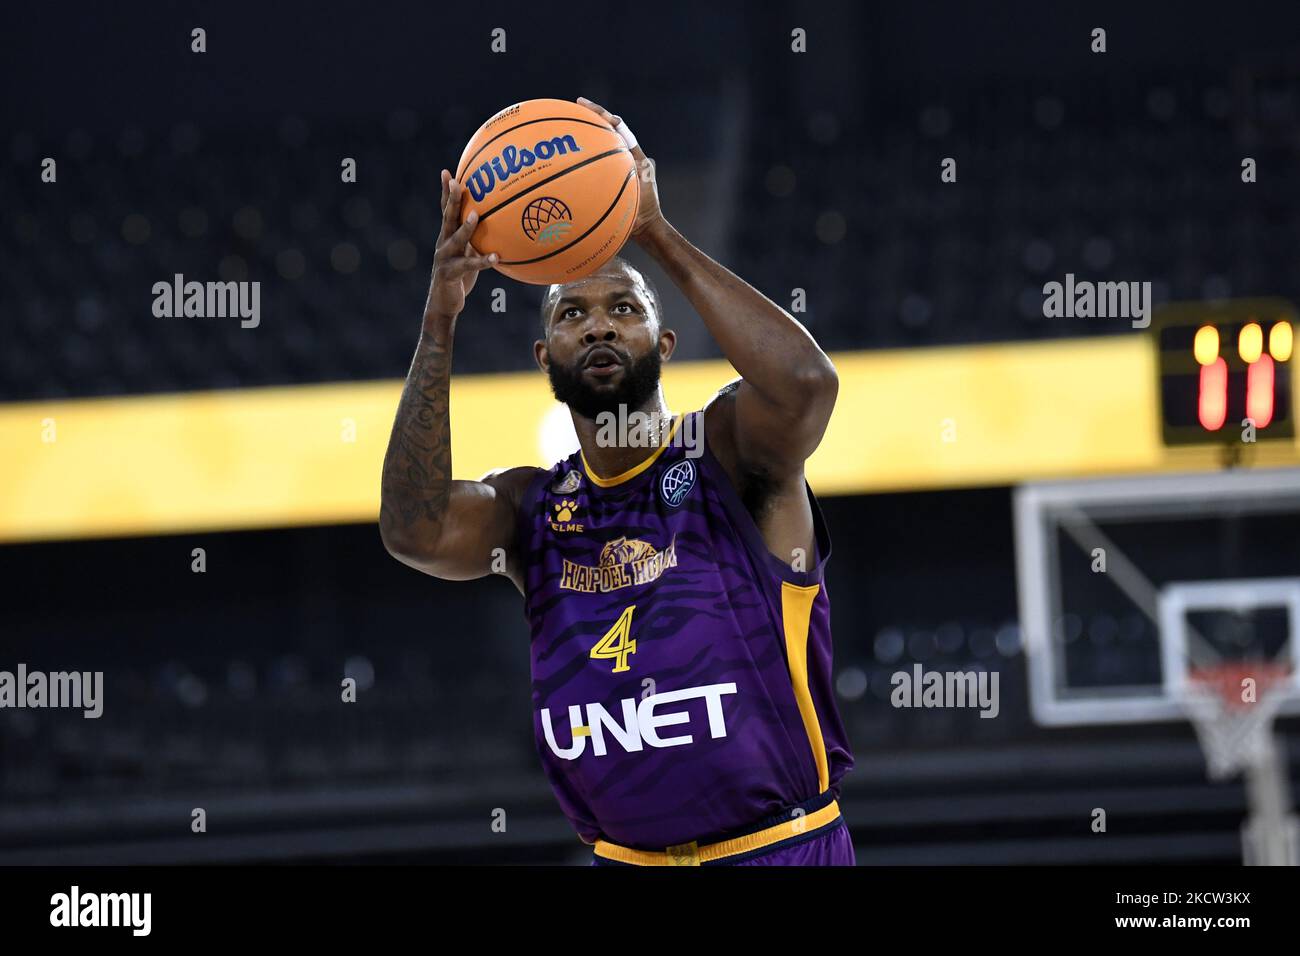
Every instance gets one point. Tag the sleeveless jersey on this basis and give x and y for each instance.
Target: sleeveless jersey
(681, 672)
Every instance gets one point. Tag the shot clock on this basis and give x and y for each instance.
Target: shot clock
(1223, 363)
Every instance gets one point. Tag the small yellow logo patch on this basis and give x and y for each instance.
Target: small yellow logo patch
(684, 854)
(566, 510)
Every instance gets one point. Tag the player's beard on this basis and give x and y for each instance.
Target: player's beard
(640, 379)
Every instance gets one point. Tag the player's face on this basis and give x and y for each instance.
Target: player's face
(604, 346)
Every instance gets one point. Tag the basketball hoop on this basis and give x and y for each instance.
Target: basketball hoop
(1235, 731)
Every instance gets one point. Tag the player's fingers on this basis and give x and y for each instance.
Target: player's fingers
(620, 127)
(453, 246)
(457, 266)
(446, 178)
(451, 212)
(459, 240)
(600, 111)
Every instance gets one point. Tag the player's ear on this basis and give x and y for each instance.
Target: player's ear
(667, 344)
(542, 355)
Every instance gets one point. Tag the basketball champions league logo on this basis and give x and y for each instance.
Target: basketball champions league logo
(546, 220)
(622, 563)
(677, 483)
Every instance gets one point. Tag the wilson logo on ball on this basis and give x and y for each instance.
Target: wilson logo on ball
(511, 160)
(556, 204)
(546, 220)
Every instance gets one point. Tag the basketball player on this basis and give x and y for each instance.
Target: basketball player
(681, 647)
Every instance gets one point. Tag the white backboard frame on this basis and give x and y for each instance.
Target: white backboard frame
(1238, 491)
(1179, 597)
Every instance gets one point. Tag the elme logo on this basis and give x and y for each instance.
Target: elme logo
(641, 722)
(497, 170)
(102, 909)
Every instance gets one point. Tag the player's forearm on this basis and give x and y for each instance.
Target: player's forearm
(767, 346)
(416, 485)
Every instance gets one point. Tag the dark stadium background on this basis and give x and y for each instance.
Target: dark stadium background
(225, 685)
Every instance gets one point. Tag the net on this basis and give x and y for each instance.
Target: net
(1232, 706)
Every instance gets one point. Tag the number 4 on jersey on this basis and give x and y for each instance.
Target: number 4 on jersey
(617, 642)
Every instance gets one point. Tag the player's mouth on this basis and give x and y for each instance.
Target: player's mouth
(602, 361)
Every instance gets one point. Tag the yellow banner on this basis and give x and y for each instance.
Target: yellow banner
(907, 419)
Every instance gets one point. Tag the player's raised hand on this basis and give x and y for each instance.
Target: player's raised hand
(648, 212)
(456, 264)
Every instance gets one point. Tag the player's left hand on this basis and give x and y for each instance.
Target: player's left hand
(648, 212)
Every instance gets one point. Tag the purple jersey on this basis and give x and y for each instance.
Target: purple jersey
(681, 672)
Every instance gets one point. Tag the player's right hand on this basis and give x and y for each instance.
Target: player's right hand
(456, 264)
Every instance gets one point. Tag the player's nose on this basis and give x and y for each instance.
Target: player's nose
(599, 329)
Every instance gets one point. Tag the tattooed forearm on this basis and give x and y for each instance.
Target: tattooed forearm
(416, 483)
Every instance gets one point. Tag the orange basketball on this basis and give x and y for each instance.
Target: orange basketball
(555, 188)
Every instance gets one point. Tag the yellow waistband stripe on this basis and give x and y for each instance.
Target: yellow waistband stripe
(689, 854)
(635, 469)
(796, 611)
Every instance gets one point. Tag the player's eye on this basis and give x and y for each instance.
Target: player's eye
(571, 313)
(624, 305)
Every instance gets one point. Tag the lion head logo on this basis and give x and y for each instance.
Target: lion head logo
(623, 551)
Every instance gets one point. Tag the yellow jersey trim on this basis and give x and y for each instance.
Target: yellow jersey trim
(635, 469)
(796, 611)
(689, 854)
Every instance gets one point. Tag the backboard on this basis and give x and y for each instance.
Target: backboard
(1127, 583)
(1172, 597)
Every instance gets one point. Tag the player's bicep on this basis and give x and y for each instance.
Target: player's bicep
(777, 437)
(478, 530)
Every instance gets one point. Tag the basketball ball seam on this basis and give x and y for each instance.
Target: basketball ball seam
(543, 119)
(605, 215)
(632, 219)
(483, 214)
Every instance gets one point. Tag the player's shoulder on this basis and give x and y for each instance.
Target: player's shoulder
(719, 417)
(513, 481)
(719, 411)
(520, 473)
(724, 395)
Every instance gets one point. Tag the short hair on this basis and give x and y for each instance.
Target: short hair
(553, 290)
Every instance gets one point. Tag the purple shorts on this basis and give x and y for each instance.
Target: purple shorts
(833, 847)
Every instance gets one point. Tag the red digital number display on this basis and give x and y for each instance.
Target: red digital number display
(1224, 368)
